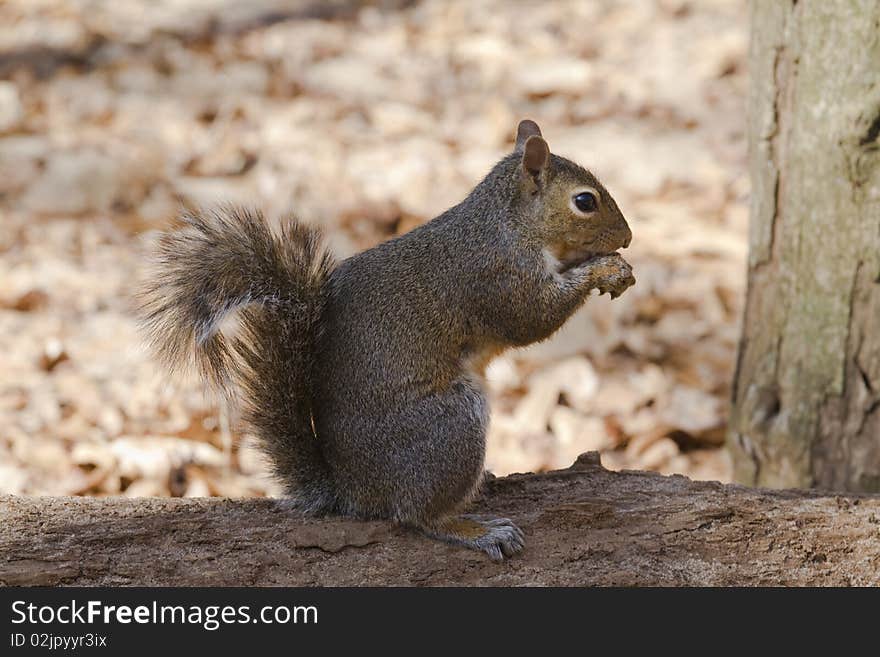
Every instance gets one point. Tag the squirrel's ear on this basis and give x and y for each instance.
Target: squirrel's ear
(526, 129)
(536, 156)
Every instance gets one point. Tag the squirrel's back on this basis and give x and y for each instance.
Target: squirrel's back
(404, 315)
(384, 309)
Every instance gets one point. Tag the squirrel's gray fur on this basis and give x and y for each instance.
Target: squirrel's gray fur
(362, 380)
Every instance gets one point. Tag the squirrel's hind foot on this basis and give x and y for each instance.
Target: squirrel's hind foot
(497, 537)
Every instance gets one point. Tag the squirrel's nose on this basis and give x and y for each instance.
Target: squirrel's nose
(628, 238)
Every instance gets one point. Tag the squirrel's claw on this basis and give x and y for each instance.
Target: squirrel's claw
(497, 537)
(502, 539)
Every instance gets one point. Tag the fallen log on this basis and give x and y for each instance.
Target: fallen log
(584, 526)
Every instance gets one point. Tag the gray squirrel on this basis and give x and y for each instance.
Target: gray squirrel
(363, 379)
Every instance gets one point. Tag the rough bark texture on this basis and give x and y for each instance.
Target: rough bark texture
(583, 526)
(806, 408)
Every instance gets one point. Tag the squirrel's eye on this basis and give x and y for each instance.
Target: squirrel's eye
(586, 202)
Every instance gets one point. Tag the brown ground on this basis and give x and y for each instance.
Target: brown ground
(583, 526)
(368, 121)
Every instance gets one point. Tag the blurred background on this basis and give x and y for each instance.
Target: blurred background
(367, 118)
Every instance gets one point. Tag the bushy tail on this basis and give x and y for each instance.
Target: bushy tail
(227, 260)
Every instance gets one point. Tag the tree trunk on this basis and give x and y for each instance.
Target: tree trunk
(806, 404)
(583, 526)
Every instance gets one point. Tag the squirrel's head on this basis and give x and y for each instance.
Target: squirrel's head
(571, 212)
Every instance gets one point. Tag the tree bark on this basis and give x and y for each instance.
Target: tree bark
(806, 404)
(583, 526)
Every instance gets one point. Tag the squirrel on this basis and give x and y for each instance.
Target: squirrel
(362, 380)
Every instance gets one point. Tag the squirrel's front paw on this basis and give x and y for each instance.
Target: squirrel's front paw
(611, 274)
